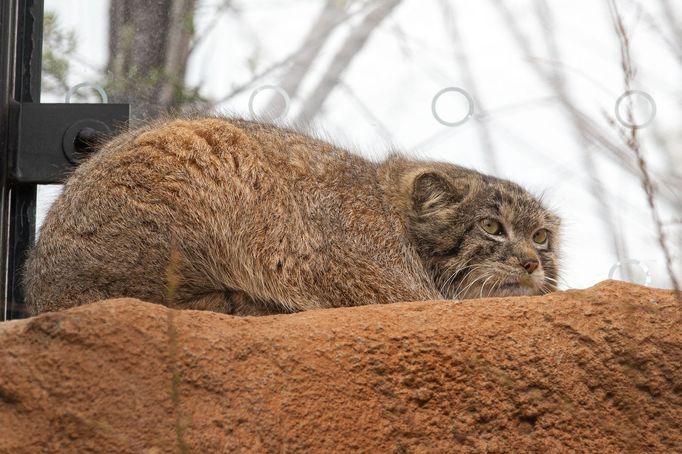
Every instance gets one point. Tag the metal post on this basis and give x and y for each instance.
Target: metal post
(21, 37)
(38, 141)
(8, 15)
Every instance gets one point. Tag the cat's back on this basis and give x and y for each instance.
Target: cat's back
(211, 163)
(217, 189)
(214, 150)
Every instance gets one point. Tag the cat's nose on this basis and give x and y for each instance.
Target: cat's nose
(531, 265)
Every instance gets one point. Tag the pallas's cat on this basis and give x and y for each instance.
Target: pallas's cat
(248, 218)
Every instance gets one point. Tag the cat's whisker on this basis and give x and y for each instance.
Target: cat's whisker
(494, 286)
(452, 277)
(466, 276)
(557, 282)
(545, 288)
(460, 269)
(485, 282)
(478, 267)
(465, 265)
(463, 292)
(457, 292)
(456, 272)
(448, 282)
(479, 278)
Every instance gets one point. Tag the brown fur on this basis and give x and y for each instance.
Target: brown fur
(248, 218)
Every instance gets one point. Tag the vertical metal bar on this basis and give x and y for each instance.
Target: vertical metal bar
(21, 199)
(8, 15)
(29, 51)
(21, 237)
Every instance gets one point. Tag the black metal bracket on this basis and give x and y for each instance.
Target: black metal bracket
(48, 140)
(39, 143)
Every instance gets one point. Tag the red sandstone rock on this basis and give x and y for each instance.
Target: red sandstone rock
(598, 370)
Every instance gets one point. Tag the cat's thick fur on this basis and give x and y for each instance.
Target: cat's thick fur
(247, 218)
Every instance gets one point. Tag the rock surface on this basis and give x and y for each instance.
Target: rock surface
(597, 370)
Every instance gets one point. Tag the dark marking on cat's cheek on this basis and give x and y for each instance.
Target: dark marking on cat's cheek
(457, 244)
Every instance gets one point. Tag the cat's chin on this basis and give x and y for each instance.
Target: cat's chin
(515, 289)
(507, 289)
(515, 285)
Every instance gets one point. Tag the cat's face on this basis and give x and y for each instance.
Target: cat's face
(481, 236)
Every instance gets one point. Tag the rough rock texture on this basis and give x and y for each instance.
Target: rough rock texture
(597, 370)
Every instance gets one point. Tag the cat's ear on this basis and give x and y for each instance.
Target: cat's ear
(433, 191)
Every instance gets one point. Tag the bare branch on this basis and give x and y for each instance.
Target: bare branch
(558, 84)
(673, 22)
(632, 140)
(591, 131)
(353, 44)
(330, 17)
(198, 39)
(291, 79)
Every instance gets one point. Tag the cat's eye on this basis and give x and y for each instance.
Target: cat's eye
(491, 226)
(540, 237)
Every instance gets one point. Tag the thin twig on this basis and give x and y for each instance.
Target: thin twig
(558, 83)
(588, 127)
(289, 83)
(349, 49)
(632, 141)
(206, 32)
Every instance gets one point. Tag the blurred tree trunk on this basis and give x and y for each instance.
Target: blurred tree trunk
(149, 45)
